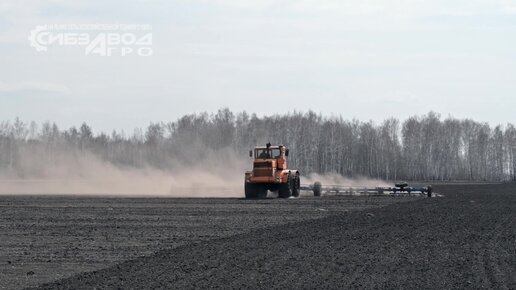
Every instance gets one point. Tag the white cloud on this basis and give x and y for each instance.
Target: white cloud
(386, 54)
(33, 87)
(404, 8)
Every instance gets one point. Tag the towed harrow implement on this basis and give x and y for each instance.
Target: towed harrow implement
(399, 188)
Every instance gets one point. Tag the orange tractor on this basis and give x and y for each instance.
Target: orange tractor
(270, 172)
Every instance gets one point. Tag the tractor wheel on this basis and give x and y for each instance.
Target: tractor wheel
(250, 190)
(255, 191)
(317, 188)
(296, 184)
(285, 189)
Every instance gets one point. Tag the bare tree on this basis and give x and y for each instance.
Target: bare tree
(421, 148)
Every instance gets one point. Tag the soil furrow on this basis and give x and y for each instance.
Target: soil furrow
(425, 244)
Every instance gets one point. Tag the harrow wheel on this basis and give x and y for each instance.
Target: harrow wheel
(317, 189)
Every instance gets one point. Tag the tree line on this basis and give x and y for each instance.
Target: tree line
(425, 147)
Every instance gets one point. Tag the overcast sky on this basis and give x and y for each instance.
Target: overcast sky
(367, 59)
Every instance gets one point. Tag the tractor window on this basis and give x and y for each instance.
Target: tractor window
(263, 153)
(267, 153)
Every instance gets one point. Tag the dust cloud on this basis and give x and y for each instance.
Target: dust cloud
(86, 174)
(218, 174)
(330, 179)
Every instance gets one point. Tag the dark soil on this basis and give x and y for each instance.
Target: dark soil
(46, 238)
(463, 240)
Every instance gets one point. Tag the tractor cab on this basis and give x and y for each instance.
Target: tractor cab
(270, 156)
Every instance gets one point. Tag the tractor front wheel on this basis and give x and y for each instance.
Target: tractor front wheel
(296, 185)
(285, 189)
(250, 190)
(253, 191)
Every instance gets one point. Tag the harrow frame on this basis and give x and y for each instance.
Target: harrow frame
(399, 188)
